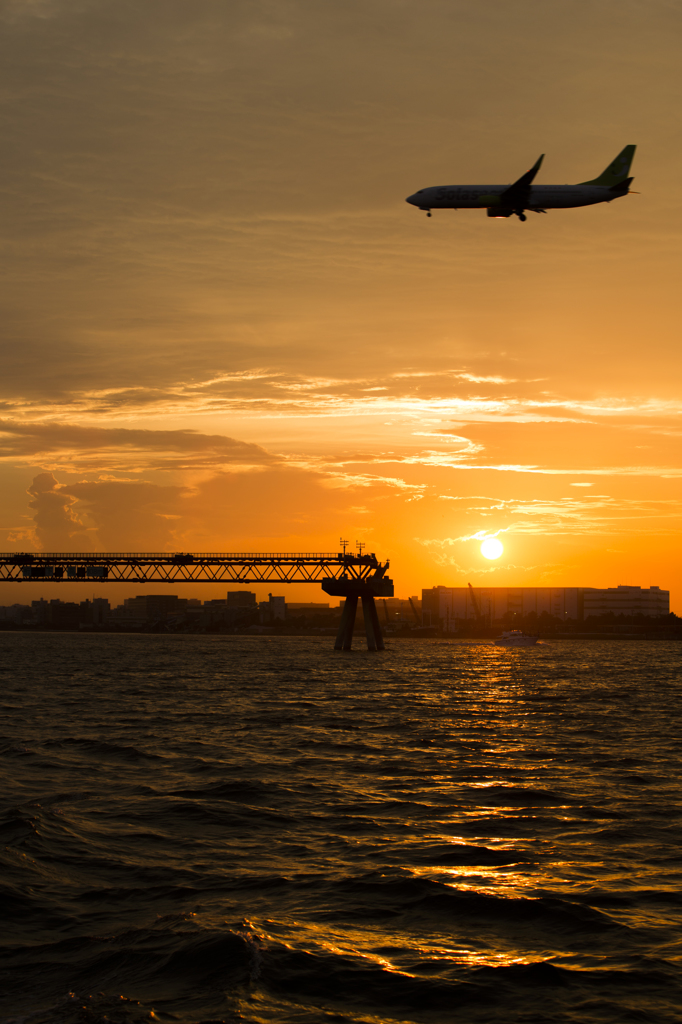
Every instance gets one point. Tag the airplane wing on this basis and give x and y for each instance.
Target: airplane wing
(518, 194)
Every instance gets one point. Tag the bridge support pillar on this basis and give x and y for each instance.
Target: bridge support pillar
(352, 588)
(344, 638)
(375, 641)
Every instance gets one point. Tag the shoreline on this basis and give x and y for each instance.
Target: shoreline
(265, 631)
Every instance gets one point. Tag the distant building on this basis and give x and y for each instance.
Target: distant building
(136, 611)
(64, 614)
(17, 613)
(623, 600)
(445, 606)
(399, 612)
(241, 599)
(296, 608)
(41, 611)
(95, 612)
(69, 615)
(273, 610)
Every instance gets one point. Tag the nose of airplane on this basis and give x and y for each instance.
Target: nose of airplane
(413, 200)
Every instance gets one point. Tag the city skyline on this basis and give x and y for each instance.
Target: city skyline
(442, 603)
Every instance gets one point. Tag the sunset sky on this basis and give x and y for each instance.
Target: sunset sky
(225, 330)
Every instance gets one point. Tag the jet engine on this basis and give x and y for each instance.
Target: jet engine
(497, 211)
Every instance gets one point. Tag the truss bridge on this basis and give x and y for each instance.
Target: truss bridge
(341, 574)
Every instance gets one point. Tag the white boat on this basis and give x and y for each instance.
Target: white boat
(515, 638)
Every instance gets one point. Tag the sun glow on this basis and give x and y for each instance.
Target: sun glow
(491, 548)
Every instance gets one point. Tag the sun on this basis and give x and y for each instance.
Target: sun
(491, 548)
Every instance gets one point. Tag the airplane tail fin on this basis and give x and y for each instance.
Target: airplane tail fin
(616, 172)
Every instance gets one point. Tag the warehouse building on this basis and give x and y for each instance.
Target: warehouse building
(443, 607)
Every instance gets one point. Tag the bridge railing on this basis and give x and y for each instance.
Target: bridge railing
(166, 555)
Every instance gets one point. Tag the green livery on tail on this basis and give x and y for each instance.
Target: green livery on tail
(617, 171)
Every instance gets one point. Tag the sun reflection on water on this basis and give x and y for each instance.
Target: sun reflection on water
(396, 952)
(499, 881)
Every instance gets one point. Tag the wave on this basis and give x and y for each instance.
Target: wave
(98, 748)
(230, 834)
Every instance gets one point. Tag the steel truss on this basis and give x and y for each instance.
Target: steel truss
(164, 567)
(342, 575)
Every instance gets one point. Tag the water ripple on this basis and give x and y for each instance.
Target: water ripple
(221, 829)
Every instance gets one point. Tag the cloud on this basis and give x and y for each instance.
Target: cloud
(474, 378)
(118, 450)
(363, 424)
(444, 558)
(57, 526)
(661, 471)
(13, 10)
(340, 479)
(436, 398)
(101, 516)
(593, 514)
(129, 516)
(280, 507)
(450, 541)
(77, 447)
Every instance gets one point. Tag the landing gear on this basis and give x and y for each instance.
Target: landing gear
(428, 213)
(521, 215)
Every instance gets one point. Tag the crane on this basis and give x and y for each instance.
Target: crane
(416, 613)
(475, 603)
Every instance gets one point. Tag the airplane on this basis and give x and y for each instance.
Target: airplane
(505, 200)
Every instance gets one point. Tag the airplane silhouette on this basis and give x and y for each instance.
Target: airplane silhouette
(505, 200)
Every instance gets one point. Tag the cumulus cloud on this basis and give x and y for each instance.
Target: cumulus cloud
(57, 526)
(102, 516)
(129, 516)
(279, 508)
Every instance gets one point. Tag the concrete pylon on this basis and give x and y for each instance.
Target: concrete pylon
(344, 638)
(375, 641)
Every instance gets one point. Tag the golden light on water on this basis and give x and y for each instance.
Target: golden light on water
(491, 548)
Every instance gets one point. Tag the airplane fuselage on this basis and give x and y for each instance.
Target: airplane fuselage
(542, 197)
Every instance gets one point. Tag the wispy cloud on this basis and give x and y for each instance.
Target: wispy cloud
(480, 535)
(444, 557)
(439, 399)
(592, 514)
(77, 447)
(473, 378)
(642, 470)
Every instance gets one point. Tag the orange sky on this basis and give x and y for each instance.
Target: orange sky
(224, 329)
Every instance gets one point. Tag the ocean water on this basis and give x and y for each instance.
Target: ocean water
(223, 829)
